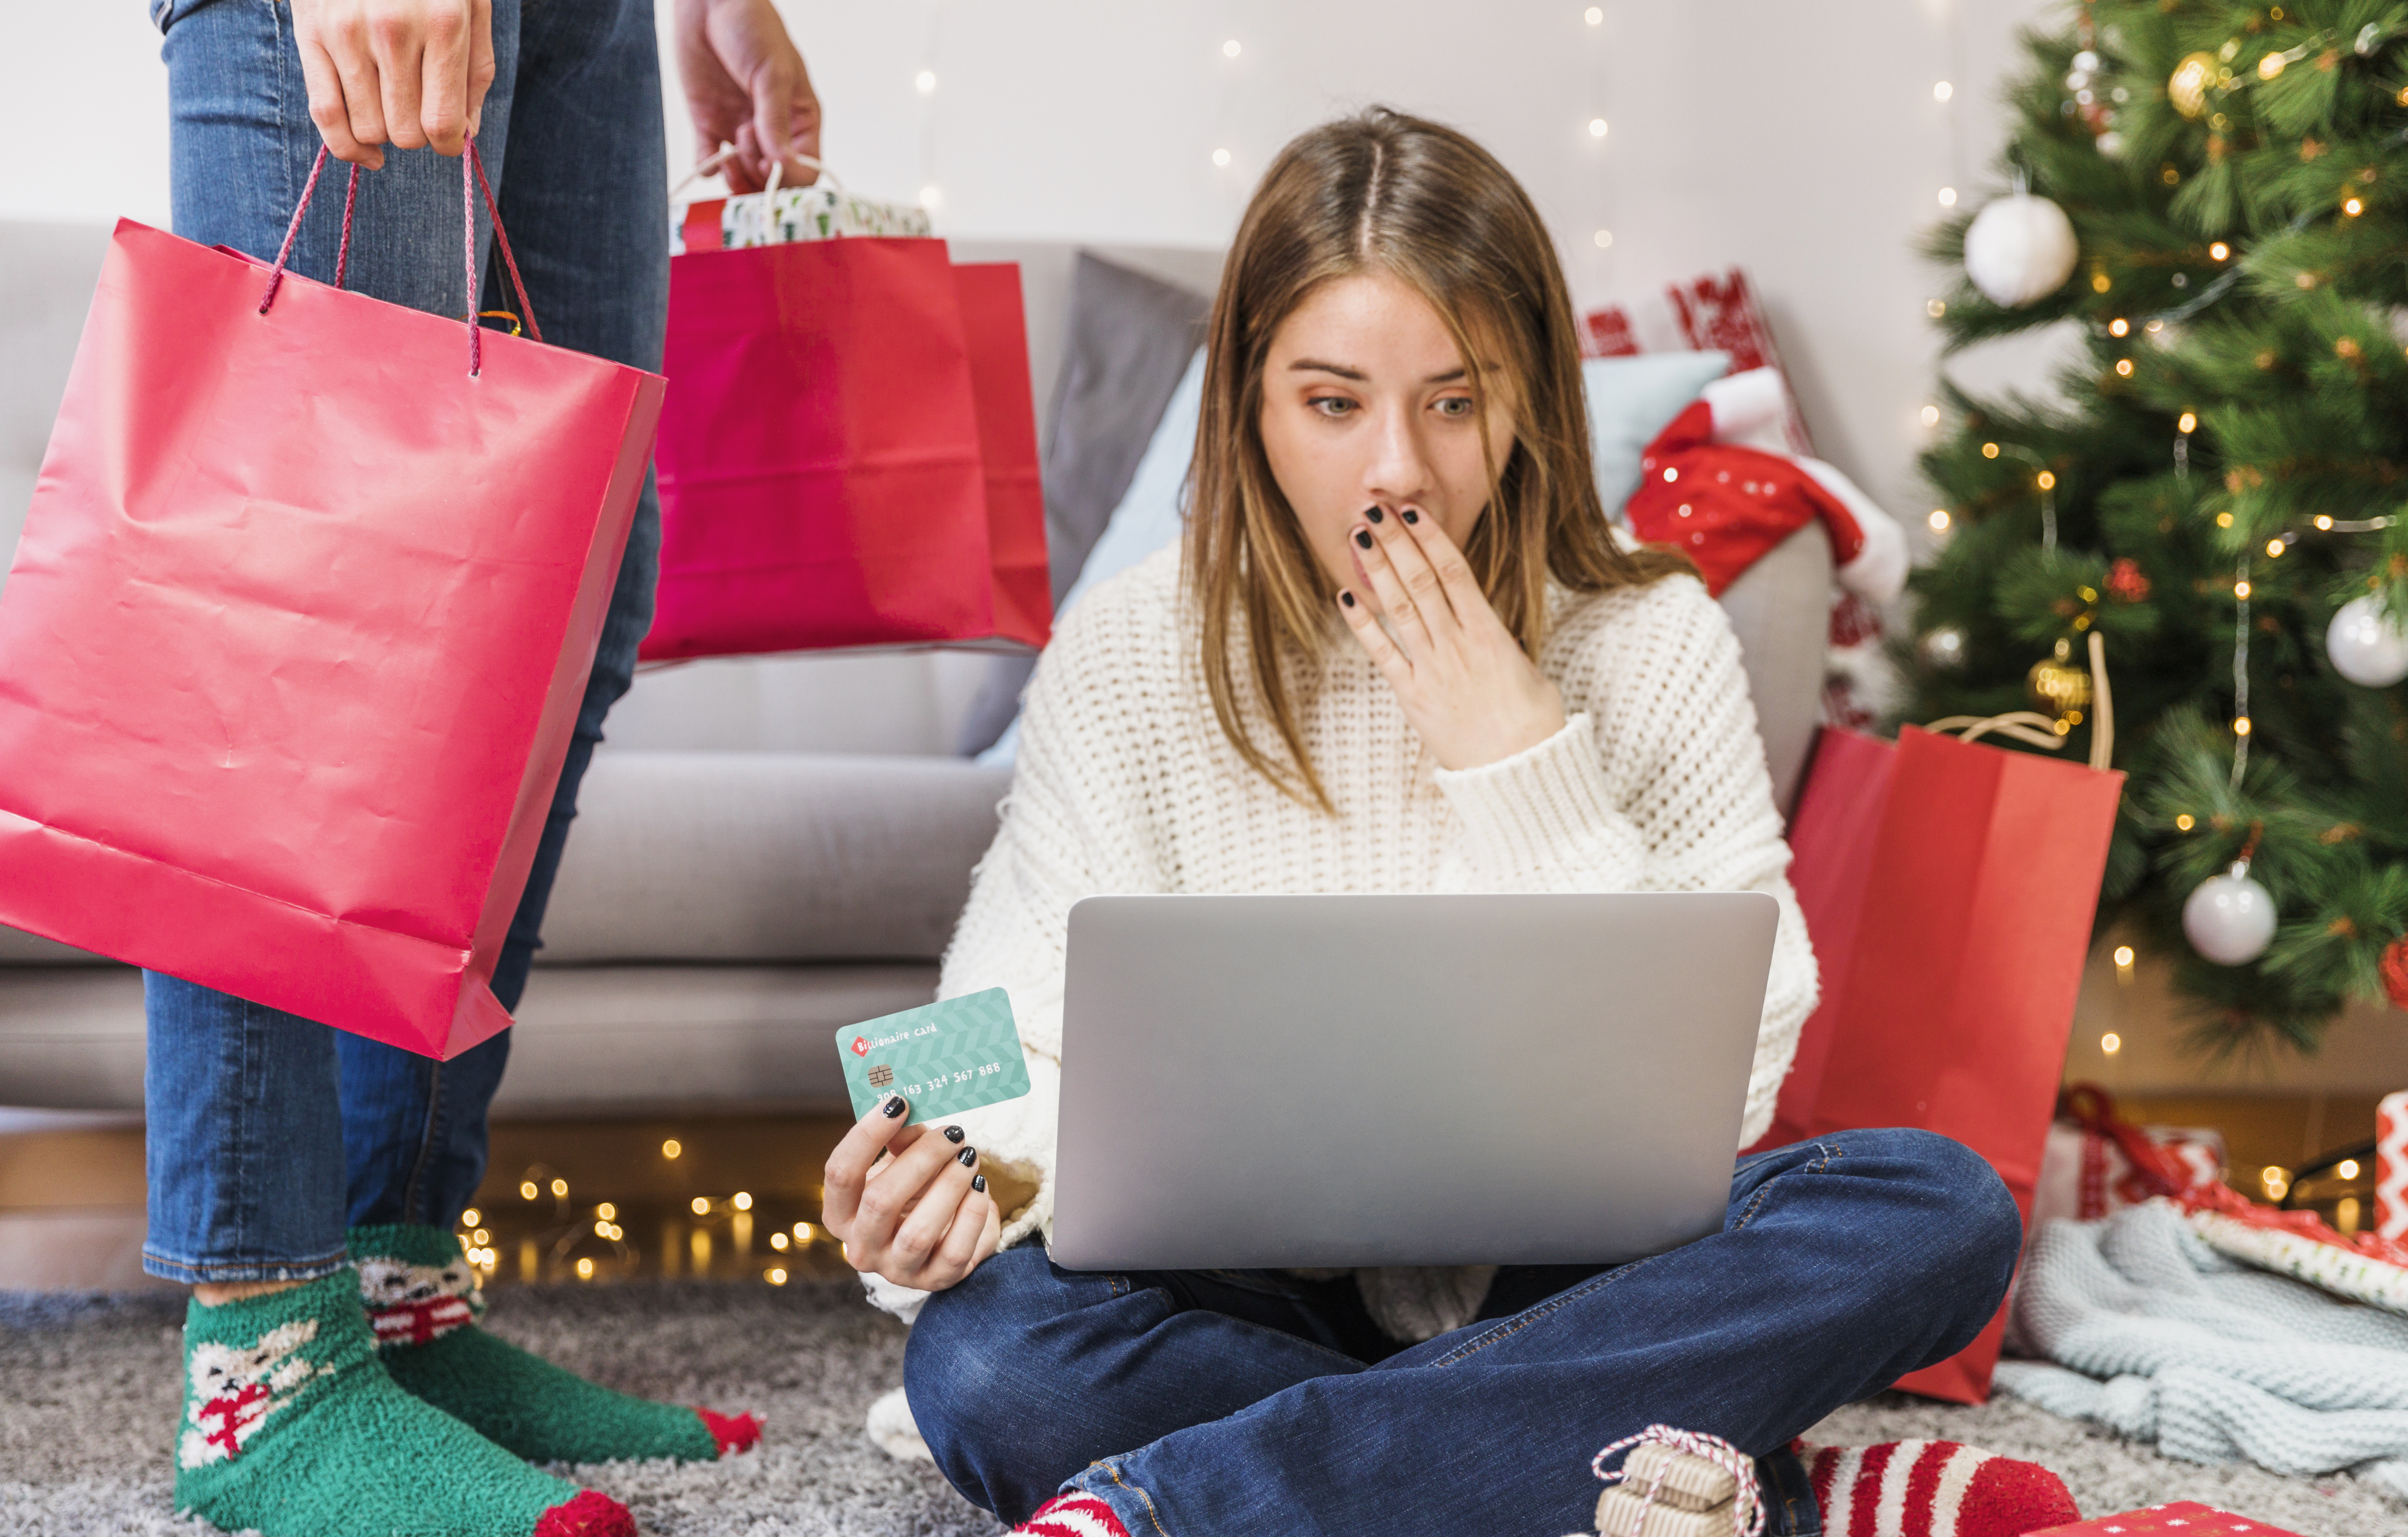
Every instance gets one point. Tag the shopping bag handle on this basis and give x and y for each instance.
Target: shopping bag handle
(2037, 730)
(472, 182)
(777, 171)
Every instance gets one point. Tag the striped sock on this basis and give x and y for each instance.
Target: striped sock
(1932, 1488)
(1072, 1516)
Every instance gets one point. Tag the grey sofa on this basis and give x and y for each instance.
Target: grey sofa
(765, 850)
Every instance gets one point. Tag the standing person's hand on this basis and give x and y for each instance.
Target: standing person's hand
(1467, 686)
(408, 73)
(922, 1217)
(745, 85)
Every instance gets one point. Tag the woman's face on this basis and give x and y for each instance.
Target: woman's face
(1365, 402)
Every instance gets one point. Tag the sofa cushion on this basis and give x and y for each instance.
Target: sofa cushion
(769, 856)
(648, 1038)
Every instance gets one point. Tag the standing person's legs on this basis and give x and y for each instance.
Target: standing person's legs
(1844, 1264)
(290, 1425)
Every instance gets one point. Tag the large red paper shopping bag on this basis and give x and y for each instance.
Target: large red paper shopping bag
(297, 634)
(1949, 888)
(850, 457)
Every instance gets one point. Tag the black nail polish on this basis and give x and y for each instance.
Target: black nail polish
(893, 1106)
(1363, 537)
(1411, 516)
(953, 1133)
(978, 1183)
(1347, 599)
(967, 1157)
(1373, 513)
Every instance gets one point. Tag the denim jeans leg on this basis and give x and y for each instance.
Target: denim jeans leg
(1026, 1372)
(1844, 1264)
(583, 197)
(243, 1141)
(242, 1102)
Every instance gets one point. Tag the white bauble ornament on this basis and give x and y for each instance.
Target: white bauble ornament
(2111, 144)
(2368, 647)
(2020, 250)
(2230, 918)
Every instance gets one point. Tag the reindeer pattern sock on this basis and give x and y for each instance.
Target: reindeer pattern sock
(291, 1428)
(425, 1307)
(1932, 1488)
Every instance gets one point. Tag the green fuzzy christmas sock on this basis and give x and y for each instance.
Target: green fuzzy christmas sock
(423, 1305)
(291, 1428)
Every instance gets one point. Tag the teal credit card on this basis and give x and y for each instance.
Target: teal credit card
(946, 1058)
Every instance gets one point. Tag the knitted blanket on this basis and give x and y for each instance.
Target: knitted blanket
(2157, 1337)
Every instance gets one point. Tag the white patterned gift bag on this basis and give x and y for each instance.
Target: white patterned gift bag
(822, 211)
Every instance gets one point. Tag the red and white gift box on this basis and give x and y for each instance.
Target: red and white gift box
(2096, 1163)
(2182, 1518)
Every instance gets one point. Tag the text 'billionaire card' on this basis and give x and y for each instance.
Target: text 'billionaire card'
(946, 1058)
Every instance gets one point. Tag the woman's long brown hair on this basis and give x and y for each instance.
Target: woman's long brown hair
(1422, 202)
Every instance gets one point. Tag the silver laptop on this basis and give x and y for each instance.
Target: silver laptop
(1256, 1081)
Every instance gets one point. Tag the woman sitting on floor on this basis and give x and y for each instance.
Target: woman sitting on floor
(1400, 650)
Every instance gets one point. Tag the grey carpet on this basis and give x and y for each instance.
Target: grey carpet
(88, 1394)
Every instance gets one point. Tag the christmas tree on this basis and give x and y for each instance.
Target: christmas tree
(2217, 196)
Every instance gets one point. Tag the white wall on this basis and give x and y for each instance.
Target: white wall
(1801, 140)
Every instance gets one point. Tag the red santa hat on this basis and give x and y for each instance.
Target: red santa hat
(1718, 485)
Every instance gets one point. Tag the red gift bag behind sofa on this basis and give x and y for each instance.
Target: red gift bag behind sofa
(850, 457)
(295, 637)
(1949, 887)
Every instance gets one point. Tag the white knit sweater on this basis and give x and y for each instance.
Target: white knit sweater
(1126, 783)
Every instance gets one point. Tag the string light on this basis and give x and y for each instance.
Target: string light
(926, 81)
(585, 1270)
(2218, 251)
(2124, 367)
(481, 1238)
(777, 1276)
(741, 1200)
(1220, 157)
(559, 1186)
(1594, 16)
(2188, 423)
(1942, 91)
(607, 1211)
(2274, 547)
(1947, 197)
(2346, 1168)
(671, 1148)
(2111, 1042)
(2045, 479)
(528, 1190)
(1930, 416)
(701, 1205)
(1597, 127)
(931, 198)
(1939, 519)
(1604, 239)
(2185, 822)
(1229, 50)
(2274, 1180)
(2241, 590)
(1989, 450)
(471, 1217)
(2119, 327)
(1935, 308)
(778, 1242)
(802, 1232)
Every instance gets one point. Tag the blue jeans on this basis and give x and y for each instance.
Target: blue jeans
(1238, 1402)
(269, 1133)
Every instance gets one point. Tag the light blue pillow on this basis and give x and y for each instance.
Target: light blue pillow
(1630, 399)
(1145, 521)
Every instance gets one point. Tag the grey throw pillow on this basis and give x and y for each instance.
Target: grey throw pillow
(1129, 341)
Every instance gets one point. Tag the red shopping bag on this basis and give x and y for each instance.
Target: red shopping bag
(297, 634)
(1949, 888)
(850, 457)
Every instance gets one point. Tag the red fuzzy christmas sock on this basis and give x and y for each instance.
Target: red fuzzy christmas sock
(1932, 1488)
(1072, 1516)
